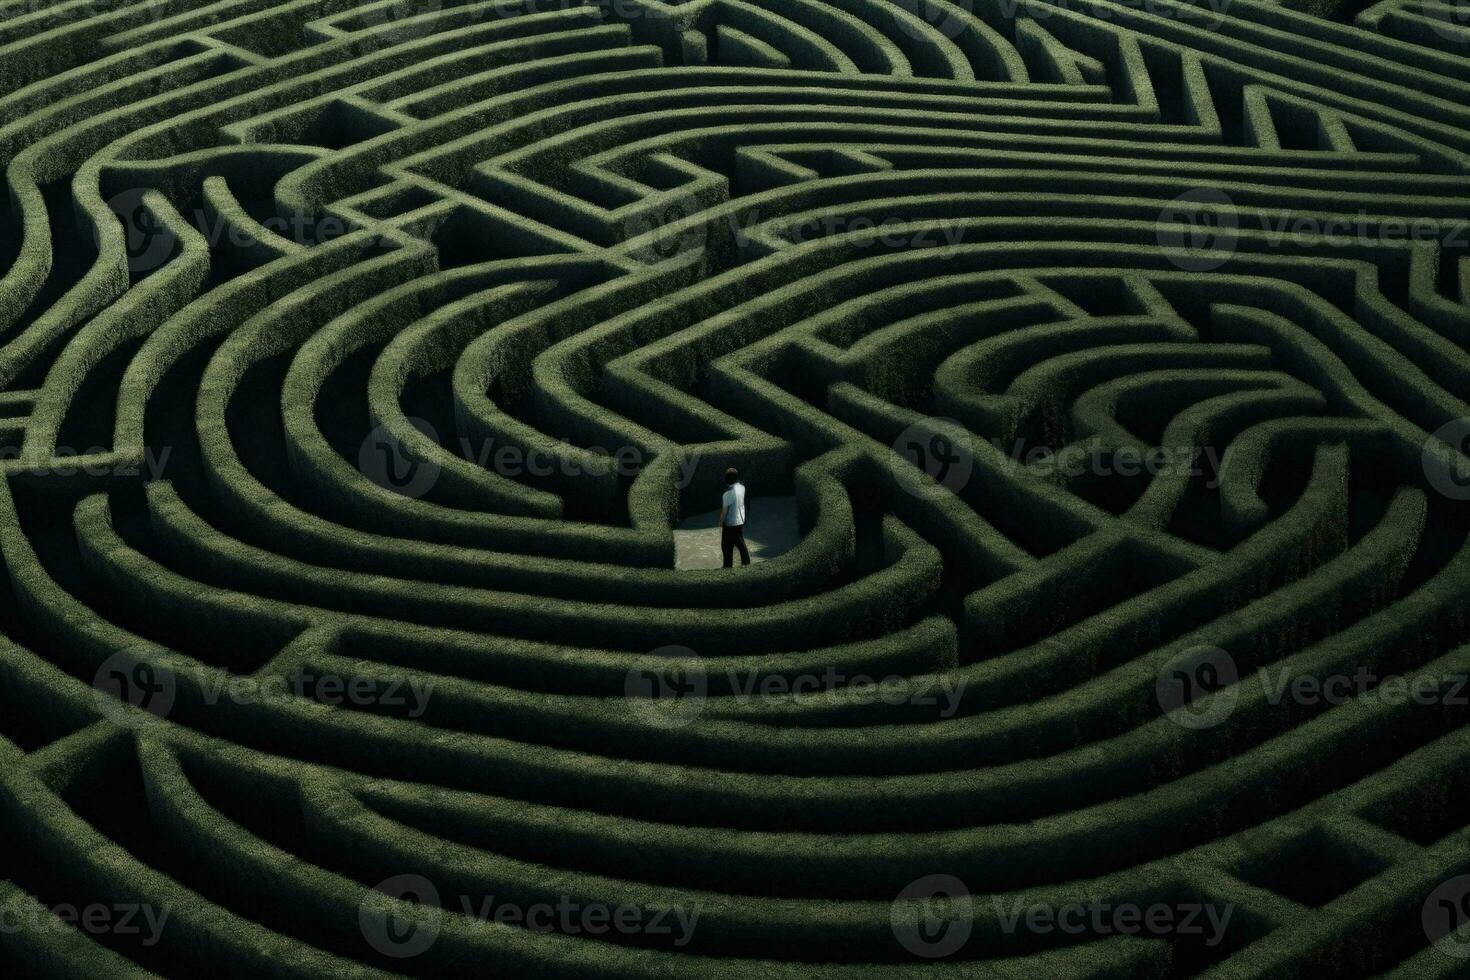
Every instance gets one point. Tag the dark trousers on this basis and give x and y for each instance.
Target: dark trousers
(732, 538)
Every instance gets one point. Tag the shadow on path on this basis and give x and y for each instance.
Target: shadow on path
(770, 530)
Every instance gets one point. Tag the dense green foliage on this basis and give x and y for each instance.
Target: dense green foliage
(360, 361)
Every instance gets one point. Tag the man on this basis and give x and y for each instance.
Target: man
(732, 519)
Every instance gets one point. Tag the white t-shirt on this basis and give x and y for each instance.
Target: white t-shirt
(734, 501)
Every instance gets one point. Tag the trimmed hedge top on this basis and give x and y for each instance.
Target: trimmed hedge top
(359, 361)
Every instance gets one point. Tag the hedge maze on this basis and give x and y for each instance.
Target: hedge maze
(358, 361)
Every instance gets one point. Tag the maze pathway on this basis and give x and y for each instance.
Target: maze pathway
(358, 361)
(771, 530)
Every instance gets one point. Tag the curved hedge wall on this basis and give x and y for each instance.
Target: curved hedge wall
(364, 367)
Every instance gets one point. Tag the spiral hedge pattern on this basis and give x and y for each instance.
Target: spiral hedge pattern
(359, 361)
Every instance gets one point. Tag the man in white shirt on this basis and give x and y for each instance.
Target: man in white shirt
(732, 519)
